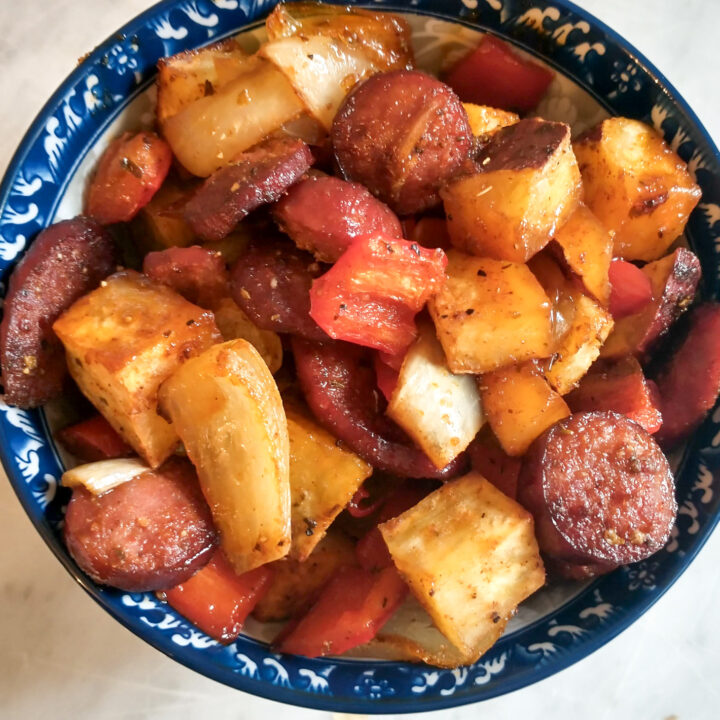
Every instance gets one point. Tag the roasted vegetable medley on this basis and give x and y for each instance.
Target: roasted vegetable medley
(366, 350)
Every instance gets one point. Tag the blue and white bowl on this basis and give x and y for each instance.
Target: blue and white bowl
(597, 73)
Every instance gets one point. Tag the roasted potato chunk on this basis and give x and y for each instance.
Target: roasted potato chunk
(122, 341)
(520, 405)
(441, 411)
(581, 326)
(469, 554)
(228, 412)
(234, 323)
(674, 280)
(485, 119)
(526, 186)
(294, 583)
(323, 478)
(490, 314)
(636, 185)
(580, 346)
(587, 250)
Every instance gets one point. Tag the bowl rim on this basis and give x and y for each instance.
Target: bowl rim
(264, 688)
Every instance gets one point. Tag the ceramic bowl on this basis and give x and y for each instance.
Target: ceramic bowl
(597, 73)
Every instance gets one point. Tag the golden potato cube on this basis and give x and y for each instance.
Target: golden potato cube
(485, 119)
(294, 583)
(234, 323)
(228, 412)
(587, 249)
(580, 347)
(469, 554)
(490, 313)
(520, 405)
(526, 186)
(122, 341)
(636, 185)
(323, 478)
(440, 410)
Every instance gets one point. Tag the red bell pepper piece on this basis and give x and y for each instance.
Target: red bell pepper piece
(372, 552)
(94, 439)
(349, 611)
(130, 172)
(630, 289)
(218, 600)
(622, 388)
(371, 294)
(496, 75)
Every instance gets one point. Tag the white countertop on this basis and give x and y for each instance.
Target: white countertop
(62, 656)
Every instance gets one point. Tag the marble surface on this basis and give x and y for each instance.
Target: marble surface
(62, 656)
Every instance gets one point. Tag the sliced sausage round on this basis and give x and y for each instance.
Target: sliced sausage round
(256, 177)
(271, 282)
(64, 262)
(196, 273)
(324, 214)
(600, 490)
(150, 533)
(402, 134)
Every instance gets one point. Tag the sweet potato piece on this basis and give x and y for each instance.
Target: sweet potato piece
(122, 341)
(439, 410)
(620, 387)
(470, 556)
(587, 249)
(228, 412)
(520, 405)
(526, 186)
(233, 323)
(295, 583)
(188, 76)
(688, 385)
(490, 313)
(636, 185)
(323, 478)
(674, 280)
(485, 119)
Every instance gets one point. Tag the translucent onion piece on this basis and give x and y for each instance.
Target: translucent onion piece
(99, 477)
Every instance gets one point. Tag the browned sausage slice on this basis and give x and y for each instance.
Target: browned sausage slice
(324, 214)
(600, 490)
(688, 386)
(148, 534)
(64, 262)
(271, 283)
(402, 134)
(257, 177)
